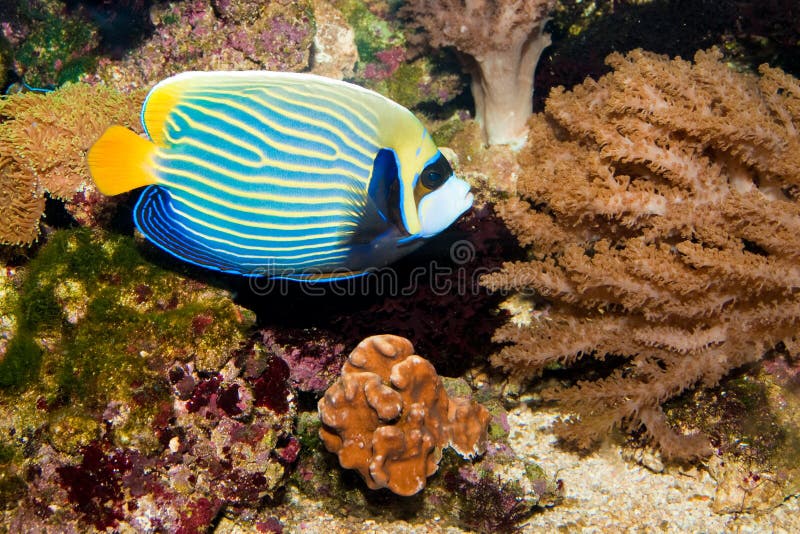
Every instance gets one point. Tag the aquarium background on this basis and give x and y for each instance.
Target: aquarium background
(622, 299)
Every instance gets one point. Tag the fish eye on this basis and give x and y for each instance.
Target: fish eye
(436, 173)
(431, 179)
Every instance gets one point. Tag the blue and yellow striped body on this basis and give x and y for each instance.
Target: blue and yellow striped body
(279, 174)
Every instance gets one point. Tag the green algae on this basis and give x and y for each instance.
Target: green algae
(416, 82)
(445, 132)
(96, 324)
(170, 19)
(58, 48)
(21, 363)
(403, 85)
(753, 422)
(7, 453)
(70, 428)
(307, 431)
(534, 472)
(372, 33)
(12, 489)
(737, 415)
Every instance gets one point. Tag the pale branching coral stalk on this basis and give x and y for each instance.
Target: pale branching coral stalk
(660, 205)
(502, 42)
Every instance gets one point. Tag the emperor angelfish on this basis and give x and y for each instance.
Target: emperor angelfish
(280, 174)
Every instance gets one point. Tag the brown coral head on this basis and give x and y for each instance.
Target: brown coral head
(377, 354)
(389, 417)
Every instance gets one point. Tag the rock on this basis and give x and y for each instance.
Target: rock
(334, 53)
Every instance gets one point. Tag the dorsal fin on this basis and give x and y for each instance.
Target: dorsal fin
(160, 101)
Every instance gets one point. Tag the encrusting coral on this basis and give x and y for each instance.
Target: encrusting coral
(660, 207)
(389, 417)
(43, 142)
(503, 40)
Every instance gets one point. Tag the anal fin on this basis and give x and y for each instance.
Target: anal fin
(320, 277)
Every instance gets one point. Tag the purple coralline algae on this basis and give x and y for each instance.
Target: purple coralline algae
(314, 359)
(216, 35)
(130, 397)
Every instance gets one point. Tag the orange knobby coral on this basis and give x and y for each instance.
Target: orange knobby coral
(389, 416)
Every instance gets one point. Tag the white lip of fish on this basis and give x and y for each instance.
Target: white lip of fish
(468, 196)
(440, 208)
(468, 200)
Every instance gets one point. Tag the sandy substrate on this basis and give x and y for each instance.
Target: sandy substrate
(604, 493)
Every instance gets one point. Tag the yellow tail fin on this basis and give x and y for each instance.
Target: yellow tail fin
(120, 161)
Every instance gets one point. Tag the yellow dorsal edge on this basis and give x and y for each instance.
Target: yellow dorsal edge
(161, 100)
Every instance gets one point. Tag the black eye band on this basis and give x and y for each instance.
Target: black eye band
(436, 173)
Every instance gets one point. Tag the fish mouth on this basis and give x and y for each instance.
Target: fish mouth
(467, 201)
(469, 198)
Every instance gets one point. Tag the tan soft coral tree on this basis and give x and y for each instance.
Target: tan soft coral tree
(43, 144)
(660, 205)
(502, 41)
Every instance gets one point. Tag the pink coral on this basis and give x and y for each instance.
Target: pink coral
(216, 35)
